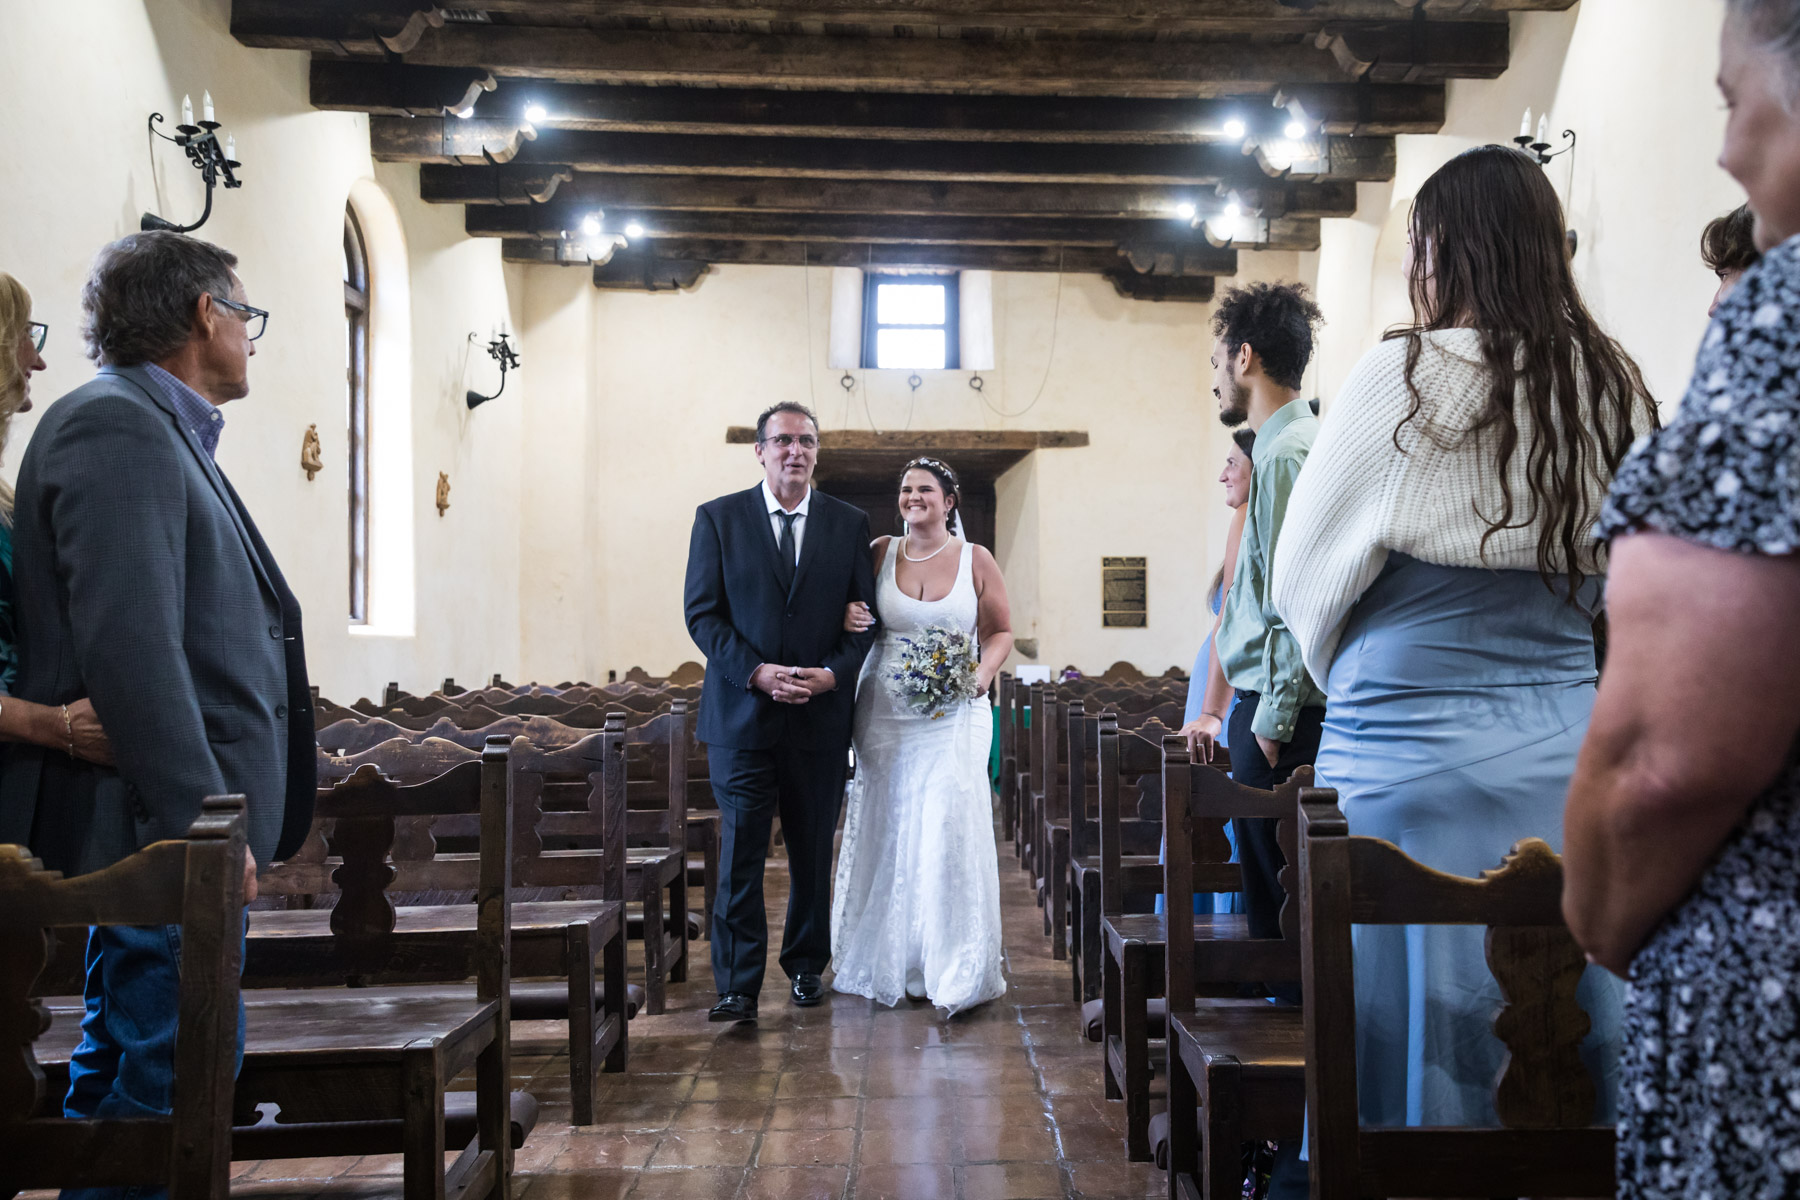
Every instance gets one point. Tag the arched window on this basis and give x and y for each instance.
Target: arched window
(356, 380)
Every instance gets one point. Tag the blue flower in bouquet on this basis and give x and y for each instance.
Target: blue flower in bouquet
(934, 671)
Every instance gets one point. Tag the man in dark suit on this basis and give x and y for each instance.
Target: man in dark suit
(143, 584)
(770, 571)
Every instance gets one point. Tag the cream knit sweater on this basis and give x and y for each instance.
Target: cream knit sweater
(1358, 498)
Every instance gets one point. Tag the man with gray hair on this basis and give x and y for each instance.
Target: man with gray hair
(143, 584)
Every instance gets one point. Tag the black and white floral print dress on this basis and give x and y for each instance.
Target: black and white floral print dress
(1710, 1097)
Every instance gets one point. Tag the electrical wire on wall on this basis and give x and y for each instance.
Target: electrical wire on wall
(1055, 326)
(806, 274)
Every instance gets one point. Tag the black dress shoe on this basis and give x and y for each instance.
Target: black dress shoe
(733, 1006)
(809, 989)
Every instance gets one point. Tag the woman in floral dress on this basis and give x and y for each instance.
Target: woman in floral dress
(1682, 835)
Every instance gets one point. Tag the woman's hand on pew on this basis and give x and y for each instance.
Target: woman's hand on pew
(858, 618)
(1202, 734)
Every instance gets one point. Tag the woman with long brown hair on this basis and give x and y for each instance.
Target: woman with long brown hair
(1439, 571)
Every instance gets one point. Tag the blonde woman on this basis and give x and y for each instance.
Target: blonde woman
(72, 729)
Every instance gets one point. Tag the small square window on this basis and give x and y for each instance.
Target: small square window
(910, 322)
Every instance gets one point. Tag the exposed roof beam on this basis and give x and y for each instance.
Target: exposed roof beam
(396, 89)
(436, 139)
(553, 221)
(378, 26)
(519, 183)
(1402, 51)
(1072, 259)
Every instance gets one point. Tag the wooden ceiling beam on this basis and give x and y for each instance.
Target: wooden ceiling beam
(520, 183)
(375, 27)
(446, 139)
(555, 221)
(398, 90)
(1413, 52)
(1089, 260)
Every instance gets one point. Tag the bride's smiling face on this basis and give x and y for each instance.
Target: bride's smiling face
(922, 503)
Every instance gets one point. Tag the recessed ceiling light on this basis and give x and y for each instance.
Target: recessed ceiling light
(1295, 130)
(634, 230)
(537, 114)
(1235, 128)
(1185, 211)
(590, 225)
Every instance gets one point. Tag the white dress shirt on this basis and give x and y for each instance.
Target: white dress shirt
(775, 511)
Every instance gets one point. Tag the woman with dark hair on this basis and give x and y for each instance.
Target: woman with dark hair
(1728, 247)
(1439, 571)
(916, 909)
(1683, 858)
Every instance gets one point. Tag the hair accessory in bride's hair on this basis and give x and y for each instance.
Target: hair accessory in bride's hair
(946, 478)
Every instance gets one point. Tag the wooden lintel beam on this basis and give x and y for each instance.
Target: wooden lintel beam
(1090, 260)
(556, 221)
(947, 440)
(1045, 66)
(520, 183)
(423, 139)
(1364, 109)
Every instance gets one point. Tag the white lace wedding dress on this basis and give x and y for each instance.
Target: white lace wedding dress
(918, 876)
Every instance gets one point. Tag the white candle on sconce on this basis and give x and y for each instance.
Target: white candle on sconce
(1543, 134)
(187, 110)
(230, 149)
(1525, 124)
(206, 108)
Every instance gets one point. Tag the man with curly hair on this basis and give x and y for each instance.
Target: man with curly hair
(1262, 343)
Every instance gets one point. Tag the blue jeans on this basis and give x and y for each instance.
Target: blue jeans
(125, 1065)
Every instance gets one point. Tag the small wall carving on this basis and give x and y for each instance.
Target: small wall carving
(443, 492)
(312, 454)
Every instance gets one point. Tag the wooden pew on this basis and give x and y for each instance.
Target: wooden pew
(1547, 1143)
(1133, 945)
(1009, 754)
(196, 883)
(1137, 832)
(1236, 1063)
(356, 1072)
(548, 937)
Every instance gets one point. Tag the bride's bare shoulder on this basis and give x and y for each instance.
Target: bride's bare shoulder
(879, 547)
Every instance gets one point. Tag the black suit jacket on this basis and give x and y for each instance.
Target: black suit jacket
(142, 584)
(740, 617)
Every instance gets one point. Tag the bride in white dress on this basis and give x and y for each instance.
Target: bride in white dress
(916, 908)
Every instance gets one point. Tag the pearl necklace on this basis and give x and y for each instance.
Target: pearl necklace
(927, 558)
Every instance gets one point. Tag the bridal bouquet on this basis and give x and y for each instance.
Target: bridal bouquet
(934, 670)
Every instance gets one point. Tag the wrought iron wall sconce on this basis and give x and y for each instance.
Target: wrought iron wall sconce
(215, 163)
(1538, 145)
(501, 351)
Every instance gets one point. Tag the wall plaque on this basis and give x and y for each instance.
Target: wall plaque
(1124, 595)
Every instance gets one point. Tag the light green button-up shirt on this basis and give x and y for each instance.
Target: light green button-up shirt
(1256, 651)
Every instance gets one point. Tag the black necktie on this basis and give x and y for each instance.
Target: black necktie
(786, 553)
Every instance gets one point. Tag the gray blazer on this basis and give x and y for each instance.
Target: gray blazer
(143, 585)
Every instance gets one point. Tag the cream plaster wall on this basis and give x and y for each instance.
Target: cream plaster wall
(1634, 80)
(82, 79)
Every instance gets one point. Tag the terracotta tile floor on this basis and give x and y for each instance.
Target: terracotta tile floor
(845, 1100)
